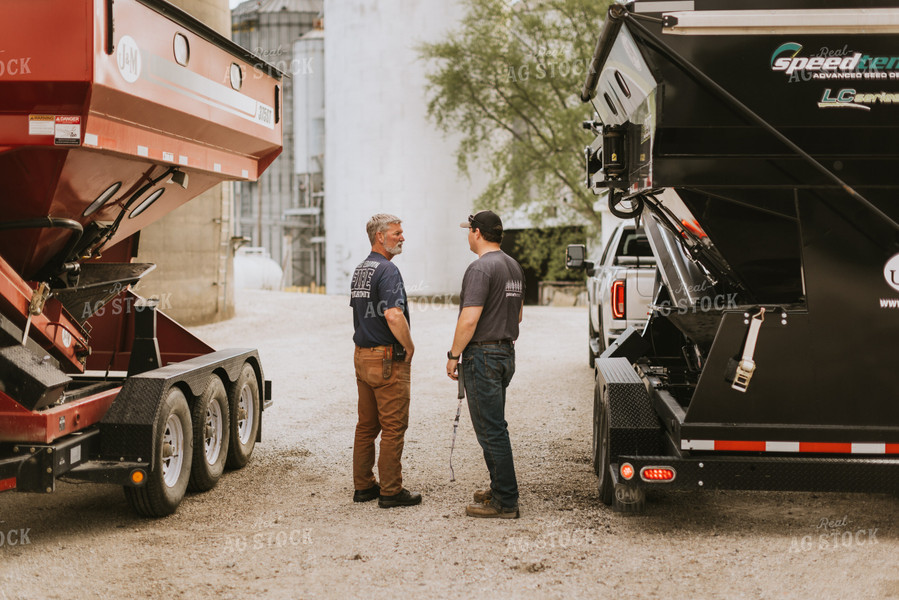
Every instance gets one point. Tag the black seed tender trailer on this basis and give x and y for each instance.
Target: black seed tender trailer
(759, 148)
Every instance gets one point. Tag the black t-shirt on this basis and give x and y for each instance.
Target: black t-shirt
(496, 282)
(376, 286)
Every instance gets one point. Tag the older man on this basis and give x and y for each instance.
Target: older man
(490, 311)
(382, 359)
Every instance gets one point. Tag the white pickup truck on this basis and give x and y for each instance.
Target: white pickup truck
(620, 285)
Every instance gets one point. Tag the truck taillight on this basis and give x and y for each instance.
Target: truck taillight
(618, 299)
(657, 474)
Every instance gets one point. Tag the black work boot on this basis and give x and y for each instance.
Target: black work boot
(366, 495)
(404, 498)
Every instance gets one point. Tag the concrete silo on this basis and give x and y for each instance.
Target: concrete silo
(264, 209)
(383, 155)
(305, 223)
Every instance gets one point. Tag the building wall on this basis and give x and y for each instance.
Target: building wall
(191, 246)
(382, 154)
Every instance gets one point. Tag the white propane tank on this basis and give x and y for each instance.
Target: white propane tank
(254, 269)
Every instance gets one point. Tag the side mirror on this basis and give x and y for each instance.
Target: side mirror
(576, 258)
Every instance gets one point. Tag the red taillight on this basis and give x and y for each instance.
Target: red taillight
(627, 470)
(618, 299)
(657, 474)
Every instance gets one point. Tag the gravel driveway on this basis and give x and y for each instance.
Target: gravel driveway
(285, 526)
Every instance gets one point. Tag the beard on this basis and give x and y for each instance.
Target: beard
(398, 249)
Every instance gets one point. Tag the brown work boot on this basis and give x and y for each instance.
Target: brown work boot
(489, 511)
(483, 496)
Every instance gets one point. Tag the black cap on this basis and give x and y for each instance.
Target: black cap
(486, 220)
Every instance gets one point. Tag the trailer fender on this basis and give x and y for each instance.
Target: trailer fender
(127, 430)
(634, 427)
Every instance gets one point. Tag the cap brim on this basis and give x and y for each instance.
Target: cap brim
(466, 225)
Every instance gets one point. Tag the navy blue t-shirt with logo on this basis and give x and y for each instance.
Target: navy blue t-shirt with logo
(376, 286)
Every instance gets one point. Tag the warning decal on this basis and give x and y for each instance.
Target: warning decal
(41, 124)
(67, 131)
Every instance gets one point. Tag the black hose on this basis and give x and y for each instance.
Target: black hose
(50, 223)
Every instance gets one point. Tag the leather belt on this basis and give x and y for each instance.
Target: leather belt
(492, 343)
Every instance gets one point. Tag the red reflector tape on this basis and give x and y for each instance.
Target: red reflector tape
(780, 446)
(7, 484)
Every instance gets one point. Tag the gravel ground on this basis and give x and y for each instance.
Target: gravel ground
(285, 526)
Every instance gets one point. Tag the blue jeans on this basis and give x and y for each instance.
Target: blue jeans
(487, 371)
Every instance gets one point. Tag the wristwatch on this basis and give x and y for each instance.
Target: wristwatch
(449, 355)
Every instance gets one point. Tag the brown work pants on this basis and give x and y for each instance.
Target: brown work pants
(384, 409)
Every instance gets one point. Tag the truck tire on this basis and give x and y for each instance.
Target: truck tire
(601, 465)
(245, 416)
(211, 427)
(591, 336)
(173, 448)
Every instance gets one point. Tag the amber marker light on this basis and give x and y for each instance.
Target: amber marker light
(627, 471)
(137, 477)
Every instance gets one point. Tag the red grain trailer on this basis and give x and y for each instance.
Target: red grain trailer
(113, 114)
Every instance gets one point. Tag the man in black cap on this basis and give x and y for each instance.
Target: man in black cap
(490, 311)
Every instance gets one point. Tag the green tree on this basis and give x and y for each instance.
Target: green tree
(508, 80)
(543, 251)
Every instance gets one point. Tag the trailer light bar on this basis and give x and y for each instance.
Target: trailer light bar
(657, 474)
(627, 471)
(775, 22)
(618, 299)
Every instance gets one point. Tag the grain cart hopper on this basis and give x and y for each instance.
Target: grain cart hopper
(759, 147)
(113, 114)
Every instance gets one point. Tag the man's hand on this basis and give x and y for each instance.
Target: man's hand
(396, 321)
(452, 369)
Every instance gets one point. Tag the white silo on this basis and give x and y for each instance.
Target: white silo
(383, 154)
(305, 223)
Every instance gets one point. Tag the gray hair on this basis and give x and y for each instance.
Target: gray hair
(380, 223)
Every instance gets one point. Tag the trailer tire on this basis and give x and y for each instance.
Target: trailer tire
(245, 417)
(211, 427)
(601, 445)
(167, 481)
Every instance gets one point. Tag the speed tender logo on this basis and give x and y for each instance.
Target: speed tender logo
(785, 59)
